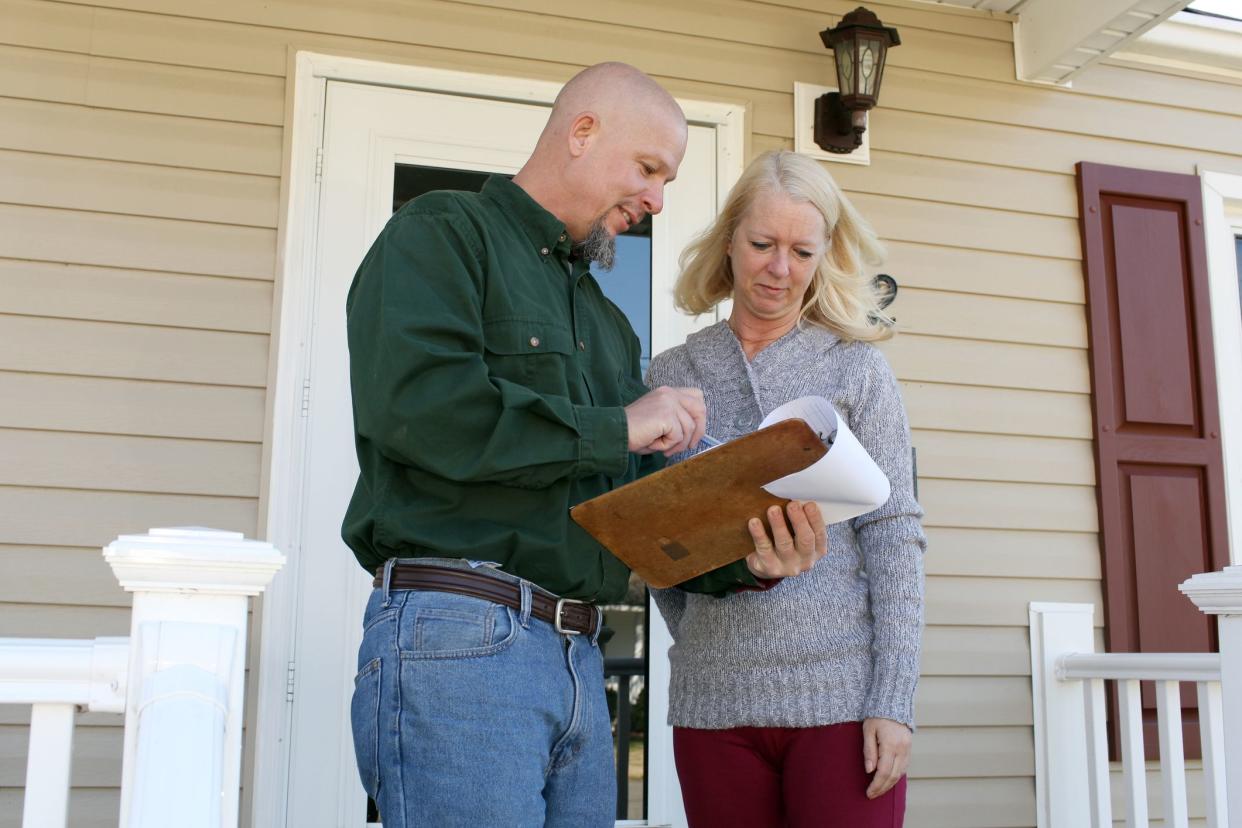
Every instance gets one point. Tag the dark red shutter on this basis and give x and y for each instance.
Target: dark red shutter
(1157, 423)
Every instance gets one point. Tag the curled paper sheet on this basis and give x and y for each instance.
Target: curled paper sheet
(845, 482)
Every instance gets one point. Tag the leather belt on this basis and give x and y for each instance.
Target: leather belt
(568, 616)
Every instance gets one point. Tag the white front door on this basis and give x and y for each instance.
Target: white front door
(371, 136)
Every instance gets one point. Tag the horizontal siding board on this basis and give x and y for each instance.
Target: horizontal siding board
(970, 803)
(793, 28)
(88, 807)
(999, 601)
(87, 132)
(138, 189)
(43, 25)
(997, 364)
(997, 553)
(971, 316)
(58, 459)
(124, 34)
(909, 220)
(96, 756)
(116, 406)
(24, 620)
(281, 13)
(966, 456)
(1037, 108)
(945, 701)
(918, 87)
(992, 505)
(931, 132)
(1106, 80)
(144, 243)
(927, 177)
(58, 574)
(962, 650)
(935, 267)
(61, 346)
(80, 517)
(948, 752)
(979, 408)
(142, 297)
(37, 74)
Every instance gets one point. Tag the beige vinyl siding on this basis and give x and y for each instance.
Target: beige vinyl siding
(140, 162)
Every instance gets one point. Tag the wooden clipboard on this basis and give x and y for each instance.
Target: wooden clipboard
(690, 518)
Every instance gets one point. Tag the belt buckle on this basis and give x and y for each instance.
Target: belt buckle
(560, 605)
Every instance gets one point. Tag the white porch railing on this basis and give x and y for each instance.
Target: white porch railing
(1072, 782)
(177, 679)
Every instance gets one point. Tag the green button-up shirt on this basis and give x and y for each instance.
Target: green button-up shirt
(489, 376)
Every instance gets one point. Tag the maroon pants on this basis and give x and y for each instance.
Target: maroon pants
(781, 777)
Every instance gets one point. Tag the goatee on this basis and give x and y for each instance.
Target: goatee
(599, 246)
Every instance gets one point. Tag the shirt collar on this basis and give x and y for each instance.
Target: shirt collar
(545, 231)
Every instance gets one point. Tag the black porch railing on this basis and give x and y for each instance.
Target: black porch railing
(625, 670)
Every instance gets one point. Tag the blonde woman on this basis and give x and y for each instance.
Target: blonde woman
(792, 705)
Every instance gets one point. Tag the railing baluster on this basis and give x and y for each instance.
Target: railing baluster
(1172, 759)
(1133, 766)
(1210, 728)
(623, 746)
(1097, 754)
(47, 766)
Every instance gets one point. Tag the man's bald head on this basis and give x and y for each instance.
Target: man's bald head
(611, 89)
(614, 138)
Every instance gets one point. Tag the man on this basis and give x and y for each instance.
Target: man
(494, 387)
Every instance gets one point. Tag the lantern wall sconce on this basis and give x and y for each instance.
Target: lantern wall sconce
(860, 44)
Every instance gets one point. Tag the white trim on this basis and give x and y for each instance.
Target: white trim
(805, 95)
(1222, 198)
(291, 316)
(1189, 43)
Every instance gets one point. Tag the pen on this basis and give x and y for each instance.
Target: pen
(708, 441)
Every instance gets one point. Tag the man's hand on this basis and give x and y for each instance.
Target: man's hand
(784, 554)
(667, 419)
(886, 752)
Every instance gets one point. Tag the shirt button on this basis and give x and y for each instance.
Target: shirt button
(534, 342)
(562, 238)
(581, 345)
(543, 250)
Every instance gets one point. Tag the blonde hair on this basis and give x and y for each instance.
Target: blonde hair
(841, 296)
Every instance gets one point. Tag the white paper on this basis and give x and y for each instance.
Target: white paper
(845, 482)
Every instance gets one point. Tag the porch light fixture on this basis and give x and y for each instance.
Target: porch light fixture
(859, 43)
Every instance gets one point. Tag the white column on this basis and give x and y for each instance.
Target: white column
(183, 711)
(1062, 776)
(1220, 594)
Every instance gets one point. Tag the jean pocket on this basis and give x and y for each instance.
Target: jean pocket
(364, 719)
(441, 632)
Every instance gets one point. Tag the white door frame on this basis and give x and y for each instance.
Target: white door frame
(1222, 222)
(292, 317)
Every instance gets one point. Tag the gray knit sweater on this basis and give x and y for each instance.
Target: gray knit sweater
(839, 643)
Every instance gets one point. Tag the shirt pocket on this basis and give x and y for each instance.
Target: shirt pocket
(537, 354)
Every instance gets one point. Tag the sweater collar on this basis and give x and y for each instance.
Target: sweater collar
(804, 341)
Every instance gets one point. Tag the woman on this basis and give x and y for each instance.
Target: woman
(792, 706)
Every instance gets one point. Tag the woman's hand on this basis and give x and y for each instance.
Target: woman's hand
(886, 752)
(786, 554)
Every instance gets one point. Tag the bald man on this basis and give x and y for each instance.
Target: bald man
(494, 387)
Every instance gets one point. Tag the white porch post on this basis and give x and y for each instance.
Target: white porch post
(1220, 594)
(183, 713)
(1063, 789)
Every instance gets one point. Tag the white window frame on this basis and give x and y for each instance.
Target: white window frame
(280, 498)
(1222, 222)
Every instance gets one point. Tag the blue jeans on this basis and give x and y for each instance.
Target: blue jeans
(469, 713)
